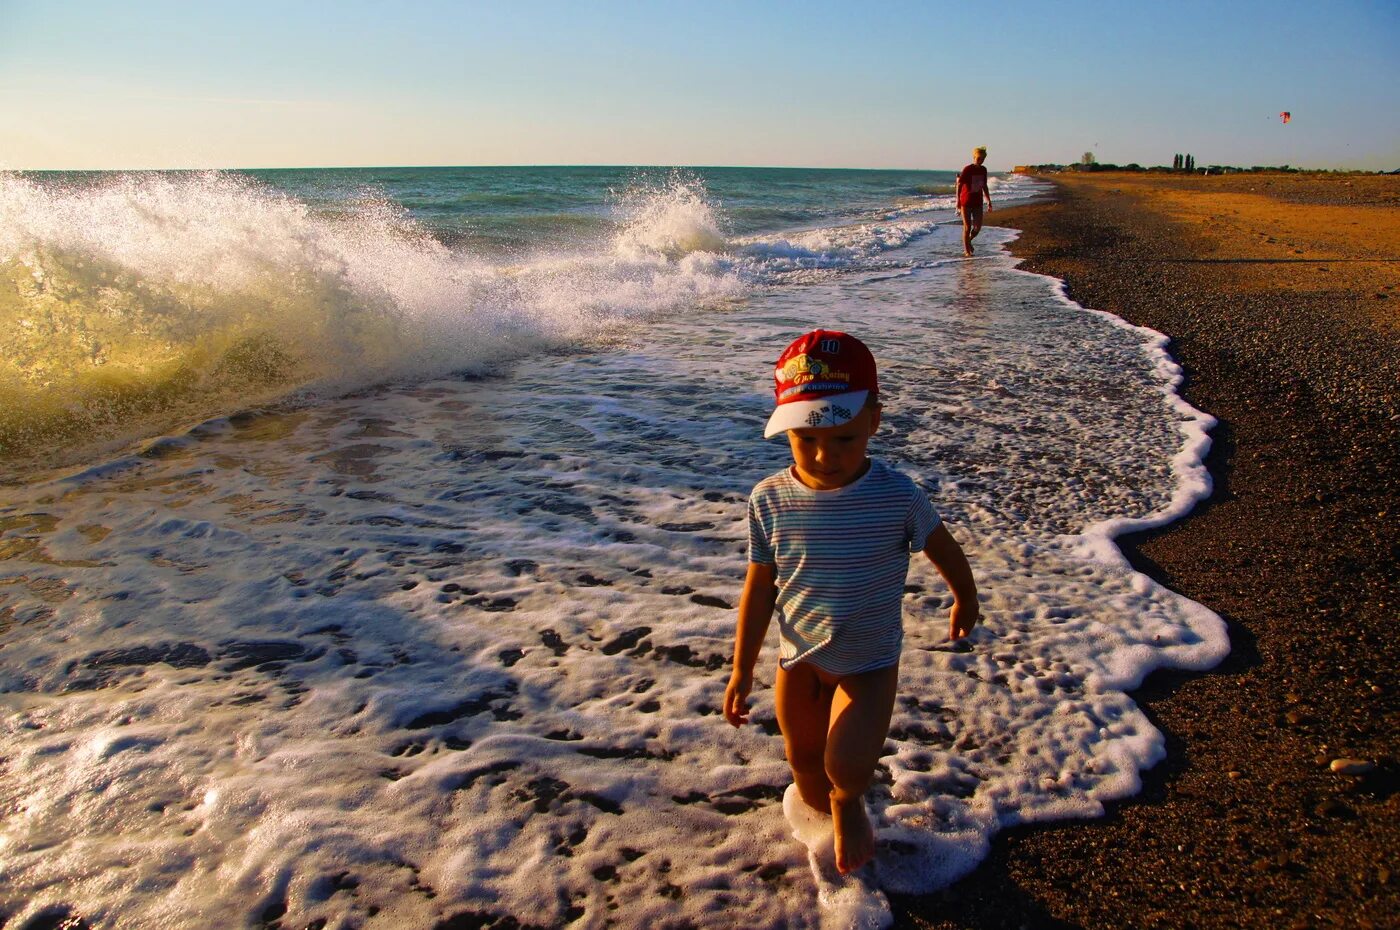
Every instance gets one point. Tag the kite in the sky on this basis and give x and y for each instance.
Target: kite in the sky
(1285, 116)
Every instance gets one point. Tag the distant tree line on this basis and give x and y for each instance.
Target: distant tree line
(1180, 162)
(1185, 163)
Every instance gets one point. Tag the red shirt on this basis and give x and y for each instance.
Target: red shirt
(974, 181)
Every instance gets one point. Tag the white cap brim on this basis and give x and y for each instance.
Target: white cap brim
(824, 411)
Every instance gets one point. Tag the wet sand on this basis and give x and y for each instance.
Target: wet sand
(1281, 294)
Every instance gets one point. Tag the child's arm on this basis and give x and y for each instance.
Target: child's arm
(755, 613)
(947, 556)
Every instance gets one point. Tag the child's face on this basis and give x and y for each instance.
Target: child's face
(830, 457)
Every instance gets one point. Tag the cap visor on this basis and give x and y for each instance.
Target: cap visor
(799, 414)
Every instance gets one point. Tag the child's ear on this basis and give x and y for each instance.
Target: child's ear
(875, 418)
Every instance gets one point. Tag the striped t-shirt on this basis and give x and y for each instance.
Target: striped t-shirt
(840, 561)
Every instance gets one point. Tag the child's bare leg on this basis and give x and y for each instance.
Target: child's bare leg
(804, 711)
(967, 230)
(860, 721)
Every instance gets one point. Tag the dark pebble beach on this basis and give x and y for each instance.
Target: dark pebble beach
(1276, 805)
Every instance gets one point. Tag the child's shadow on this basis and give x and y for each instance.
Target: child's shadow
(989, 897)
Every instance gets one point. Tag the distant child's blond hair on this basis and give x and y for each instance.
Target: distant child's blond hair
(980, 150)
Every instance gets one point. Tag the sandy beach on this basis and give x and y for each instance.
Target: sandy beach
(1276, 806)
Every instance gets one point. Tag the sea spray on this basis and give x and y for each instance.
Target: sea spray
(130, 304)
(674, 219)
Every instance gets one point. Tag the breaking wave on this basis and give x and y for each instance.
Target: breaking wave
(133, 303)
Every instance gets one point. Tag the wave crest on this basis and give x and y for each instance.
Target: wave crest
(673, 220)
(134, 303)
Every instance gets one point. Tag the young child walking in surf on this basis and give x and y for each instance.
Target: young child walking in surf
(970, 188)
(830, 538)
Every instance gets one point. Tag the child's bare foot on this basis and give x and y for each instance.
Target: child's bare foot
(855, 838)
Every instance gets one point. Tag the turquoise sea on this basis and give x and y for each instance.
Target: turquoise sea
(509, 209)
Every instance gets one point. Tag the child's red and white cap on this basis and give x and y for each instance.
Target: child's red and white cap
(822, 379)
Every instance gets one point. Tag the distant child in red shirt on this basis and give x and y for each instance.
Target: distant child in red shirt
(971, 188)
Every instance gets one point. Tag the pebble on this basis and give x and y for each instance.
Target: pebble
(1351, 766)
(1334, 808)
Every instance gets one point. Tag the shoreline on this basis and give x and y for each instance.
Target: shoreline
(1245, 823)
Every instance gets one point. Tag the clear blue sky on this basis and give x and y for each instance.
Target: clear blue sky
(895, 84)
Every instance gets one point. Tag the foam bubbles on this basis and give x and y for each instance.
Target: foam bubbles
(848, 902)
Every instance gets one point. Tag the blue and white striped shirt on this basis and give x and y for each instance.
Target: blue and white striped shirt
(840, 561)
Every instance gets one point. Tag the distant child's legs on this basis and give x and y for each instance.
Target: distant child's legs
(834, 729)
(972, 225)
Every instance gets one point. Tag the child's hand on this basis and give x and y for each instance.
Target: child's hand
(963, 619)
(947, 556)
(736, 703)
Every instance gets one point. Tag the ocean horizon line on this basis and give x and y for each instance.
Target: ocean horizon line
(409, 167)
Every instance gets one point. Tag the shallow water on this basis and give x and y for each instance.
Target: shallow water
(459, 645)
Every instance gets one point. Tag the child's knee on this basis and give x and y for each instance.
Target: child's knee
(848, 774)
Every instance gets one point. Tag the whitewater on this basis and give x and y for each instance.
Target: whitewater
(391, 581)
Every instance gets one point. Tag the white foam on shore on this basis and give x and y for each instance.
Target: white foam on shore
(861, 244)
(848, 902)
(1193, 485)
(460, 646)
